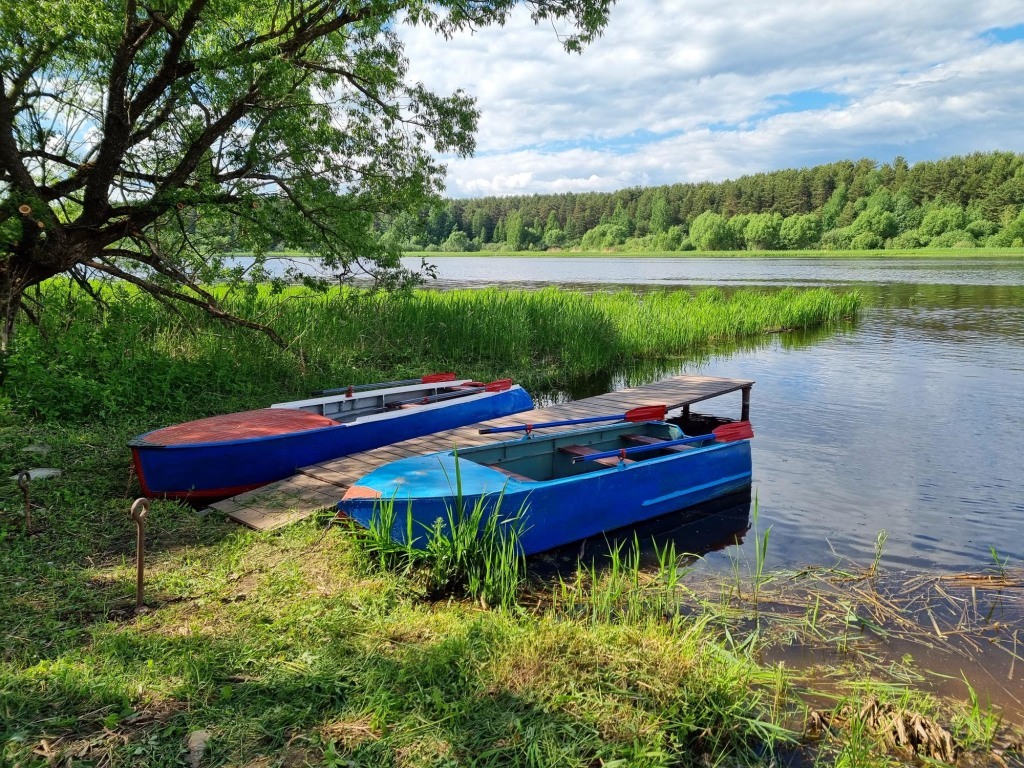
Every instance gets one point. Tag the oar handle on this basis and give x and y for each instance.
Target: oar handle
(430, 378)
(642, 448)
(565, 423)
(727, 433)
(641, 413)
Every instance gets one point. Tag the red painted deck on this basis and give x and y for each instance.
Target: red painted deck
(238, 426)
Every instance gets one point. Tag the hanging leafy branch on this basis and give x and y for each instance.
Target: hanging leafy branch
(135, 135)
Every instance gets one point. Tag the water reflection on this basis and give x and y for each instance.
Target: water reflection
(695, 531)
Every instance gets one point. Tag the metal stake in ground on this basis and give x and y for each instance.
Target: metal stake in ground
(23, 480)
(139, 511)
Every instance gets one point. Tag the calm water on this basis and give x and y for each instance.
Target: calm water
(910, 420)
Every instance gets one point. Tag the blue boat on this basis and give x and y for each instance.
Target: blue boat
(225, 455)
(561, 487)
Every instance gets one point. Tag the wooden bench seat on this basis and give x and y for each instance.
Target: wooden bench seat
(510, 473)
(583, 450)
(648, 440)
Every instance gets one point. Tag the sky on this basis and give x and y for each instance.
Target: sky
(707, 90)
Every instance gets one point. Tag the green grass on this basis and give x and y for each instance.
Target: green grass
(305, 646)
(136, 358)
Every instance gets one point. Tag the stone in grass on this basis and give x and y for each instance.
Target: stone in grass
(40, 448)
(39, 473)
(195, 746)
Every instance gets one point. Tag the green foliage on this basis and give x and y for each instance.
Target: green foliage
(661, 216)
(954, 238)
(604, 236)
(473, 553)
(763, 232)
(515, 231)
(800, 231)
(866, 241)
(886, 201)
(711, 232)
(229, 126)
(875, 221)
(458, 242)
(942, 219)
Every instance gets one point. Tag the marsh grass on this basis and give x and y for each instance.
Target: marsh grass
(136, 358)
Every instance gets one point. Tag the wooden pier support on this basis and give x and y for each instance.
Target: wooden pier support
(745, 410)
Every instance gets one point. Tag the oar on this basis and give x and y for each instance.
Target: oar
(643, 413)
(351, 389)
(727, 433)
(499, 385)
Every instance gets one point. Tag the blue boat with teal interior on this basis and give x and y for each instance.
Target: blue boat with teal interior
(225, 455)
(561, 487)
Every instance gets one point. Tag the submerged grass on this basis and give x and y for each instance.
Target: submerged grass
(309, 646)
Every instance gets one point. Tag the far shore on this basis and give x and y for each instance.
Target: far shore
(909, 253)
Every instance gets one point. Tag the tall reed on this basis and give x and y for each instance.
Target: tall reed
(474, 550)
(137, 357)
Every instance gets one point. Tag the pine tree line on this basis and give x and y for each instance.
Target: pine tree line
(966, 201)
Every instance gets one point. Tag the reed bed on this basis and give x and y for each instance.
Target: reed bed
(135, 356)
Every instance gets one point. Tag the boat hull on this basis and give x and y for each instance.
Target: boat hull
(202, 471)
(548, 514)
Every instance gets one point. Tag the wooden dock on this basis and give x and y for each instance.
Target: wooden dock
(321, 486)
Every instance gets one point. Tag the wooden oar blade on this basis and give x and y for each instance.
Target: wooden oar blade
(737, 430)
(646, 413)
(434, 378)
(498, 385)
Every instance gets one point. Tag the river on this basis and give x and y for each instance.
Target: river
(908, 421)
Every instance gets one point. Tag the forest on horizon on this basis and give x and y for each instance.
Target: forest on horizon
(967, 201)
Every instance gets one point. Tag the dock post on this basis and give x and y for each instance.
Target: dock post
(140, 509)
(686, 412)
(745, 412)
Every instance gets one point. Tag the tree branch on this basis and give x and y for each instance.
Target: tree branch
(207, 303)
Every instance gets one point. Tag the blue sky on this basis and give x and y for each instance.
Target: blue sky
(697, 90)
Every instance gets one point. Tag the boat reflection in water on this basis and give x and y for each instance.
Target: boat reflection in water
(694, 531)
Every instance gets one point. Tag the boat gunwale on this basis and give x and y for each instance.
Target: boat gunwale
(534, 484)
(369, 393)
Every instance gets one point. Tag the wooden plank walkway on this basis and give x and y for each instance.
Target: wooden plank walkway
(321, 486)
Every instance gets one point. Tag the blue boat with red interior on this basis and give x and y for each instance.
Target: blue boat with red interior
(225, 455)
(561, 487)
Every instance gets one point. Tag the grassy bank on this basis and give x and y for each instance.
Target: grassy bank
(296, 648)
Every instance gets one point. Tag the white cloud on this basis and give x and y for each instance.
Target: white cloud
(695, 91)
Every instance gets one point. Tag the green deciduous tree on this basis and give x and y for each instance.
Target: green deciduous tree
(130, 131)
(515, 231)
(711, 232)
(943, 219)
(800, 231)
(661, 215)
(762, 231)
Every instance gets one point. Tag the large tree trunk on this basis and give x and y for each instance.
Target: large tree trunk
(17, 274)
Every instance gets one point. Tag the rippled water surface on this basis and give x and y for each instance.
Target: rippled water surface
(911, 420)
